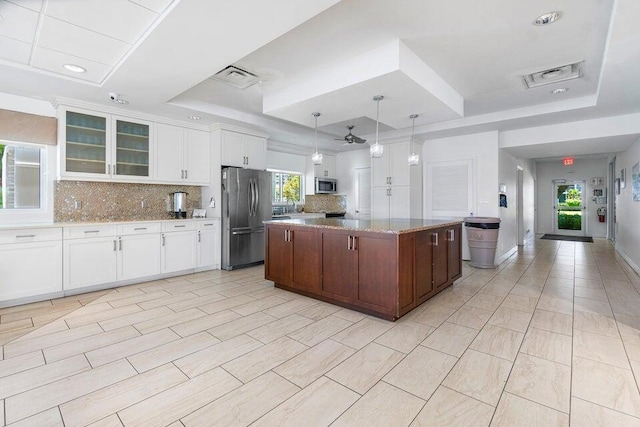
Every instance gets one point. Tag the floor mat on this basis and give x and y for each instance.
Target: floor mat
(585, 239)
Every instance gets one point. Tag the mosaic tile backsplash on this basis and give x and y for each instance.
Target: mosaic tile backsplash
(325, 203)
(110, 201)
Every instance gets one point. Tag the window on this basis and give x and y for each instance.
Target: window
(286, 187)
(19, 177)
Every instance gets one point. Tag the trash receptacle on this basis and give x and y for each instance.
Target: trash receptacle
(482, 235)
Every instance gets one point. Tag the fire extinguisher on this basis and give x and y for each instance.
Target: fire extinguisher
(602, 212)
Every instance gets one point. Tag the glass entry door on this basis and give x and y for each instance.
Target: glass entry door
(569, 209)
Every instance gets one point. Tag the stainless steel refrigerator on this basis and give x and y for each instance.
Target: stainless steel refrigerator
(246, 203)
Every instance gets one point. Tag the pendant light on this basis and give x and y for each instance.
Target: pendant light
(376, 149)
(414, 159)
(316, 158)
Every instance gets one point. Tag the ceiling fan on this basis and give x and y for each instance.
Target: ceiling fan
(351, 138)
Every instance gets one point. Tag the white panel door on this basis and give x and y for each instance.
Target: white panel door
(89, 262)
(400, 202)
(362, 185)
(169, 153)
(197, 154)
(138, 256)
(21, 277)
(233, 149)
(178, 251)
(380, 203)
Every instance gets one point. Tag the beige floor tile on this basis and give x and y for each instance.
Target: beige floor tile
(48, 318)
(241, 326)
(431, 315)
(591, 293)
(585, 413)
(111, 421)
(366, 367)
(589, 283)
(203, 323)
(168, 320)
(216, 355)
(258, 305)
(290, 307)
(317, 405)
(448, 408)
(123, 349)
(20, 363)
(7, 310)
(451, 298)
(541, 381)
(311, 364)
(451, 339)
(498, 288)
(168, 300)
(15, 326)
(101, 403)
(171, 351)
(17, 348)
(548, 345)
(191, 304)
(49, 418)
(226, 304)
(480, 376)
(2, 412)
(383, 405)
(86, 319)
(46, 310)
(605, 385)
(405, 335)
(319, 331)
(485, 301)
(139, 298)
(510, 319)
(362, 333)
(534, 281)
(564, 293)
(600, 348)
(92, 342)
(499, 342)
(261, 360)
(471, 317)
(242, 290)
(135, 318)
(245, 404)
(595, 323)
(181, 400)
(421, 372)
(552, 321)
(37, 400)
(55, 326)
(319, 311)
(45, 374)
(516, 411)
(520, 303)
(279, 328)
(602, 308)
(555, 304)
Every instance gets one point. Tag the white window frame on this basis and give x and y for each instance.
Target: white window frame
(283, 203)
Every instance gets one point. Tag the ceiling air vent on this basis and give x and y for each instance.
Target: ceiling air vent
(553, 75)
(236, 77)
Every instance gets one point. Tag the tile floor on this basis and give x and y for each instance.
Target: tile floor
(551, 337)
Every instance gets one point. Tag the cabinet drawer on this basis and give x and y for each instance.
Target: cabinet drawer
(178, 226)
(27, 235)
(207, 225)
(89, 231)
(139, 228)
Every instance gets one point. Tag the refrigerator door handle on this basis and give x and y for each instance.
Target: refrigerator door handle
(251, 197)
(257, 198)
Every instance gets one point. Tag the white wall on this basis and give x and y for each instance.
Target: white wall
(628, 211)
(582, 170)
(528, 198)
(507, 175)
(285, 161)
(346, 164)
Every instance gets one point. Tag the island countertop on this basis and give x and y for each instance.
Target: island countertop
(392, 226)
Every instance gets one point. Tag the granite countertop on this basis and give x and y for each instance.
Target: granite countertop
(392, 226)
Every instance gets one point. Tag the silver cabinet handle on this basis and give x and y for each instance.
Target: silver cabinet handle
(452, 235)
(285, 235)
(163, 240)
(186, 174)
(326, 173)
(354, 240)
(181, 173)
(348, 243)
(179, 226)
(114, 245)
(25, 236)
(140, 228)
(435, 235)
(291, 236)
(91, 231)
(199, 237)
(119, 243)
(389, 180)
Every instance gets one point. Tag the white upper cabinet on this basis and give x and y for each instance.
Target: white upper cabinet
(327, 169)
(99, 146)
(243, 150)
(392, 167)
(182, 155)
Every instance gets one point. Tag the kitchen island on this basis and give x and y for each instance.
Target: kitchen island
(384, 268)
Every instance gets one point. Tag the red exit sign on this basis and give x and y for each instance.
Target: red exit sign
(567, 161)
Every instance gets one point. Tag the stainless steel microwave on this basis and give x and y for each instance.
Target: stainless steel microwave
(326, 186)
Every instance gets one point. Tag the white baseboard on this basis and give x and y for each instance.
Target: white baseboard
(506, 255)
(632, 264)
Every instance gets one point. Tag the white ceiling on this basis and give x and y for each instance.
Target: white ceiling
(456, 64)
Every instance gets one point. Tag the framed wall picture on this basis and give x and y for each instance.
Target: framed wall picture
(635, 182)
(623, 178)
(616, 185)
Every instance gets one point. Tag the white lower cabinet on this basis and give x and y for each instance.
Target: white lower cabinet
(89, 261)
(30, 263)
(138, 256)
(178, 246)
(208, 244)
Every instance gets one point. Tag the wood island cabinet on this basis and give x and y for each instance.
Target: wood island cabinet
(380, 273)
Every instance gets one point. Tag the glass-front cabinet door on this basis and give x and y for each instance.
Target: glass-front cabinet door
(86, 144)
(132, 148)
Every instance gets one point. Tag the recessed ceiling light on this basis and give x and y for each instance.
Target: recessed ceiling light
(195, 117)
(547, 18)
(559, 90)
(75, 68)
